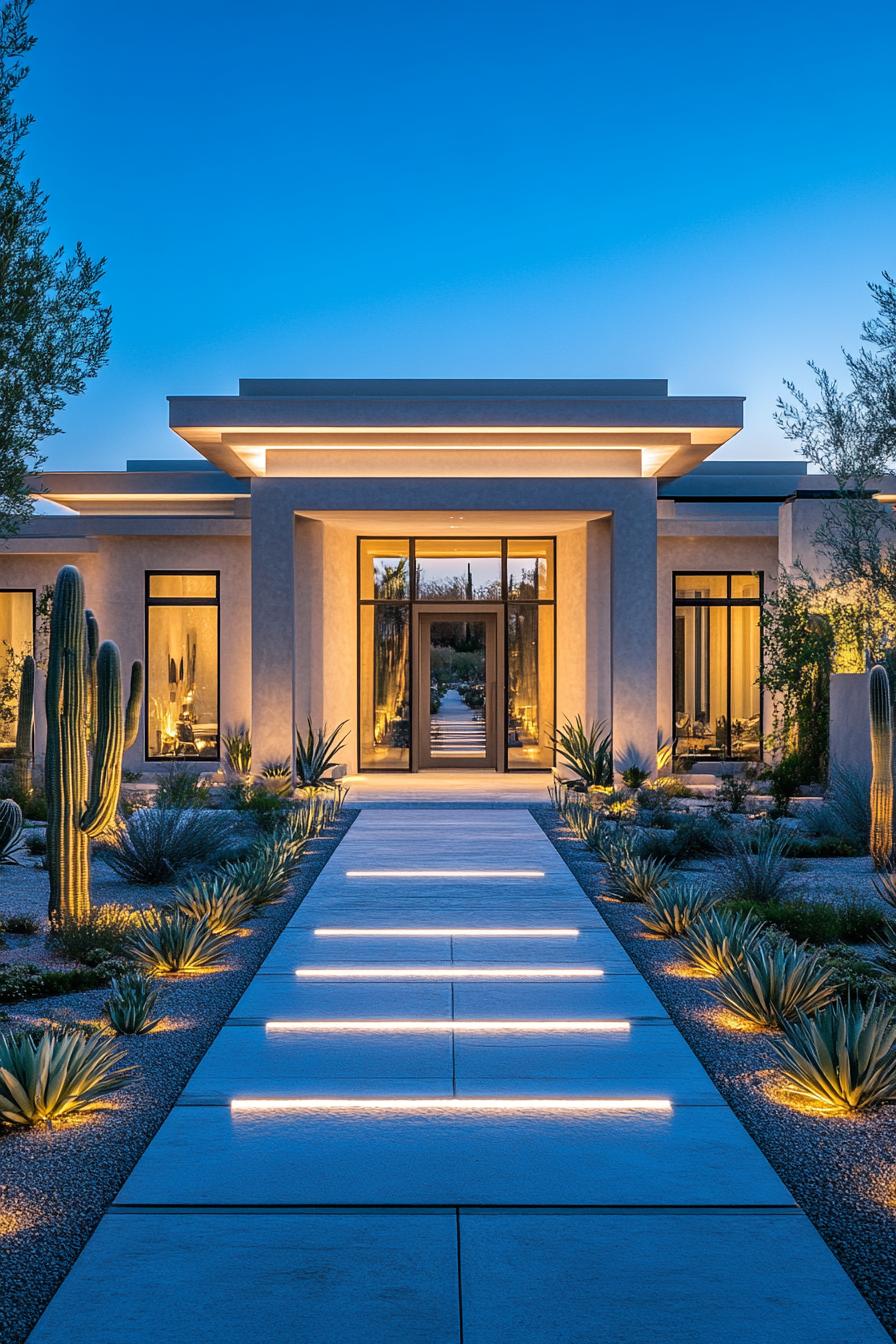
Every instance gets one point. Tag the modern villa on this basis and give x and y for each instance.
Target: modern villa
(450, 566)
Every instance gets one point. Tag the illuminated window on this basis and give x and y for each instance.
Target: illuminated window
(16, 641)
(716, 660)
(182, 654)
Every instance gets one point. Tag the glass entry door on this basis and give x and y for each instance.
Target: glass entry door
(457, 691)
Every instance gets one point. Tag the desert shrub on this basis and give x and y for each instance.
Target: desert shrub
(157, 844)
(673, 909)
(715, 941)
(696, 837)
(27, 981)
(843, 1058)
(734, 790)
(856, 977)
(218, 899)
(36, 844)
(54, 1074)
(768, 985)
(846, 810)
(264, 807)
(755, 867)
(169, 942)
(103, 928)
(821, 847)
(817, 921)
(181, 787)
(634, 776)
(19, 924)
(784, 780)
(671, 786)
(634, 878)
(130, 1005)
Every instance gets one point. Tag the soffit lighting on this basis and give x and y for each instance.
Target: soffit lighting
(449, 972)
(462, 1026)
(448, 1104)
(434, 932)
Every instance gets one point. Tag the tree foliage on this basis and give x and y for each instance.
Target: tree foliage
(54, 332)
(798, 647)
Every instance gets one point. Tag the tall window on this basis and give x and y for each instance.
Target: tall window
(716, 663)
(182, 655)
(16, 641)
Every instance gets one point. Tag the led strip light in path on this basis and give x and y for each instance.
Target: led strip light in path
(405, 1105)
(449, 973)
(433, 932)
(447, 1024)
(445, 872)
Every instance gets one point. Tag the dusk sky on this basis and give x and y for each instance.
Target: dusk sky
(696, 192)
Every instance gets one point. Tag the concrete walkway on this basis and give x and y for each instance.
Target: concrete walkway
(509, 1200)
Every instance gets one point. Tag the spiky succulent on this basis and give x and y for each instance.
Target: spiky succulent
(718, 939)
(635, 877)
(771, 985)
(10, 830)
(756, 866)
(171, 943)
(52, 1074)
(673, 908)
(277, 776)
(218, 899)
(885, 883)
(264, 875)
(843, 1058)
(129, 1007)
(316, 753)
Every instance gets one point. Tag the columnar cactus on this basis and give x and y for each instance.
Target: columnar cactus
(82, 793)
(881, 767)
(24, 729)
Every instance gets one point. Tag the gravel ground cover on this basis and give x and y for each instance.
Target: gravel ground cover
(842, 1171)
(55, 1184)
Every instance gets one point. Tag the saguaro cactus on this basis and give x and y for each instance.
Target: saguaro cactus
(82, 788)
(881, 767)
(24, 728)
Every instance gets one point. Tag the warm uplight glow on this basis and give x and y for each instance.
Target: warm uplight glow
(399, 1104)
(456, 1025)
(431, 932)
(445, 872)
(449, 972)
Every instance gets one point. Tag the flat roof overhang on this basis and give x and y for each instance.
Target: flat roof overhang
(673, 434)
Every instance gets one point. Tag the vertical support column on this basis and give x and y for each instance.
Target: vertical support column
(633, 605)
(273, 621)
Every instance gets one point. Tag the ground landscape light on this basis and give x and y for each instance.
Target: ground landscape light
(452, 1024)
(448, 1104)
(445, 872)
(432, 932)
(449, 972)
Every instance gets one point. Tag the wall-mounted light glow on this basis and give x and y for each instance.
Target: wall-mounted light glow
(445, 872)
(449, 972)
(459, 1026)
(465, 1104)
(432, 932)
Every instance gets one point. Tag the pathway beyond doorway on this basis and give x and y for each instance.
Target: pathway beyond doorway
(453, 1137)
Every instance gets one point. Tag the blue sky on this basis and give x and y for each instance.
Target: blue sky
(698, 192)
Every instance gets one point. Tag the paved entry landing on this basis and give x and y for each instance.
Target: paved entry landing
(555, 1166)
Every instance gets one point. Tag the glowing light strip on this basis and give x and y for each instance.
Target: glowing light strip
(431, 932)
(466, 1104)
(444, 872)
(456, 1025)
(449, 973)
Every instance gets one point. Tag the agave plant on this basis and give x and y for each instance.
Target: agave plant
(885, 883)
(716, 941)
(277, 776)
(756, 866)
(637, 878)
(218, 899)
(886, 939)
(843, 1058)
(771, 985)
(10, 830)
(316, 753)
(129, 1007)
(171, 943)
(237, 746)
(587, 752)
(673, 909)
(52, 1074)
(264, 875)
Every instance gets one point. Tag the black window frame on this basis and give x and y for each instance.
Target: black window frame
(149, 602)
(412, 601)
(726, 603)
(33, 592)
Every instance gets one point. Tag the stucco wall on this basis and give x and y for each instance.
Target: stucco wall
(850, 732)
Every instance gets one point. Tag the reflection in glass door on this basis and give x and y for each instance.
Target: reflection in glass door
(457, 691)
